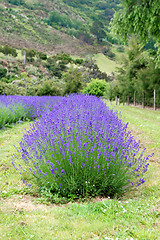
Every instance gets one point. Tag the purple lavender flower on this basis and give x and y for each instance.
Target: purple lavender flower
(75, 130)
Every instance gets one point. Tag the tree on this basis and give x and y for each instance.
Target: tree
(83, 34)
(1, 49)
(98, 30)
(73, 81)
(16, 2)
(139, 17)
(29, 54)
(7, 50)
(48, 89)
(14, 52)
(132, 62)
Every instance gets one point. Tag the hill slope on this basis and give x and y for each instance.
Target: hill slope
(23, 23)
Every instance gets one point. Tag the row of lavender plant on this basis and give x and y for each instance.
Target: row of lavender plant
(15, 108)
(80, 147)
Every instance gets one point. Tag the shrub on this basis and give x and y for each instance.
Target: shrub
(2, 87)
(7, 50)
(42, 55)
(79, 148)
(48, 89)
(120, 49)
(30, 69)
(95, 87)
(78, 61)
(65, 57)
(3, 72)
(107, 52)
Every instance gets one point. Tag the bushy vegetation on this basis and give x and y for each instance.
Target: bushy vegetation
(16, 108)
(95, 87)
(57, 19)
(107, 52)
(8, 50)
(36, 20)
(137, 76)
(38, 74)
(80, 148)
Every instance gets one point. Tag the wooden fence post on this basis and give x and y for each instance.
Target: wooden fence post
(116, 100)
(134, 98)
(128, 100)
(143, 100)
(154, 100)
(123, 100)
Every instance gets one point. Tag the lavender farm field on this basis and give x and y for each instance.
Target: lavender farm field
(23, 214)
(17, 108)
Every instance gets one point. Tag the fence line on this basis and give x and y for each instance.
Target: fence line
(142, 102)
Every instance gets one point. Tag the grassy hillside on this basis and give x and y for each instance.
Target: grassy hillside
(23, 28)
(105, 64)
(23, 24)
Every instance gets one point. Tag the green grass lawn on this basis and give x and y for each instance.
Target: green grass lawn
(24, 215)
(104, 63)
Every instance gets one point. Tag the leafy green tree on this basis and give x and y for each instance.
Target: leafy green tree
(111, 90)
(73, 81)
(7, 50)
(63, 20)
(83, 34)
(98, 30)
(29, 54)
(55, 67)
(138, 17)
(64, 57)
(14, 52)
(131, 63)
(1, 49)
(48, 89)
(147, 80)
(16, 2)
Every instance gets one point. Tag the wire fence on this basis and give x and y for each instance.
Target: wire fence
(150, 98)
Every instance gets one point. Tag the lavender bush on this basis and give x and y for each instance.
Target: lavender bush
(15, 108)
(80, 147)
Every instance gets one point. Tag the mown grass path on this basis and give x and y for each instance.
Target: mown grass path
(136, 215)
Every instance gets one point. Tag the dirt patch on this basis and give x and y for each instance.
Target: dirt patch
(146, 107)
(20, 203)
(4, 167)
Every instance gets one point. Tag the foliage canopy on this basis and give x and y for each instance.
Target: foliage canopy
(140, 18)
